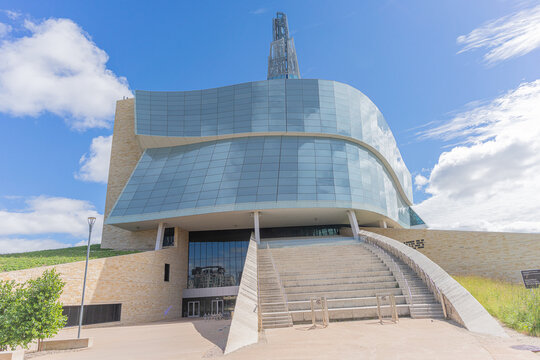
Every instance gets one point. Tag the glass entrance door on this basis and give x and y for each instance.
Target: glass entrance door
(194, 308)
(217, 307)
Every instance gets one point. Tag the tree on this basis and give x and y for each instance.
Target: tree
(30, 310)
(42, 306)
(8, 298)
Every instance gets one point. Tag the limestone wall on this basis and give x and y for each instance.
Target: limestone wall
(135, 280)
(491, 254)
(125, 154)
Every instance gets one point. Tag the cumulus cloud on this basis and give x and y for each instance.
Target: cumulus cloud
(420, 181)
(507, 37)
(94, 166)
(57, 68)
(4, 29)
(43, 215)
(491, 180)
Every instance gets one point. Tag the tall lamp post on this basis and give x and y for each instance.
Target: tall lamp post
(91, 221)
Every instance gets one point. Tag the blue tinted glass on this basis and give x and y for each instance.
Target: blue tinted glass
(231, 172)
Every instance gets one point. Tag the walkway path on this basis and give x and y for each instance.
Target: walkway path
(410, 339)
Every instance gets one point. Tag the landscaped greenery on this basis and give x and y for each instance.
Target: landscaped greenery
(515, 306)
(27, 260)
(30, 311)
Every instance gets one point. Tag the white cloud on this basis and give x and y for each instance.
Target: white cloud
(420, 181)
(95, 165)
(258, 11)
(51, 215)
(16, 245)
(60, 70)
(11, 14)
(491, 180)
(506, 37)
(4, 29)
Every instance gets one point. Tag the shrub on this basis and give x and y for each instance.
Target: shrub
(30, 311)
(10, 299)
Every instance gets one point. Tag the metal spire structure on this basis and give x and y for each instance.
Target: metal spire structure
(282, 61)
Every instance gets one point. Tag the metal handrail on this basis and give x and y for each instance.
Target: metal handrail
(397, 269)
(420, 272)
(259, 311)
(411, 303)
(281, 288)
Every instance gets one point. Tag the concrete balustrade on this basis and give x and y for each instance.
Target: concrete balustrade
(460, 305)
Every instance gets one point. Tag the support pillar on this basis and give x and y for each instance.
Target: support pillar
(256, 227)
(383, 224)
(159, 236)
(354, 223)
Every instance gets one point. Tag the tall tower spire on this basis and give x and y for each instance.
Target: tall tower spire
(282, 62)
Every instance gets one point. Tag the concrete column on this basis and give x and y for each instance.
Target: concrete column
(159, 236)
(354, 223)
(256, 226)
(176, 236)
(382, 224)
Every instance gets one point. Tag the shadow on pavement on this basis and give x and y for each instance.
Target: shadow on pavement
(215, 331)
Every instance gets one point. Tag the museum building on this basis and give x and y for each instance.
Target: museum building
(284, 157)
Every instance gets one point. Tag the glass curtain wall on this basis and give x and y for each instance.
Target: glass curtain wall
(216, 261)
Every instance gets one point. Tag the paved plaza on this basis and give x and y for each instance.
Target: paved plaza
(196, 339)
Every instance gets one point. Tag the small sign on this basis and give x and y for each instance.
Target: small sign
(531, 278)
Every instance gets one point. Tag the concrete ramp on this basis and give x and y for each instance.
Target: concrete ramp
(245, 322)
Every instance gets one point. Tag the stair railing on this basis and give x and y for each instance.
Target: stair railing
(259, 311)
(396, 270)
(281, 288)
(421, 273)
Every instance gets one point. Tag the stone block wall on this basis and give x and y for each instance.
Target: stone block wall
(125, 154)
(135, 280)
(495, 255)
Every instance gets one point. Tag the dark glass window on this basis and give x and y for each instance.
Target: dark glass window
(167, 272)
(414, 218)
(93, 314)
(216, 258)
(297, 231)
(168, 237)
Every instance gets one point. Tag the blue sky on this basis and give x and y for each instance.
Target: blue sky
(456, 81)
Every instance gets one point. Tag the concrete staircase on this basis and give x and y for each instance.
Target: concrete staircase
(421, 301)
(272, 299)
(349, 273)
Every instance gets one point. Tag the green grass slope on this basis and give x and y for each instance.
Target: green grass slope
(27, 260)
(515, 306)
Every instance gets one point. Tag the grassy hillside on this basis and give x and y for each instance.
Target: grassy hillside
(515, 306)
(27, 260)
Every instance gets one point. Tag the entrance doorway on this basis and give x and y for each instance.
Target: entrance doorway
(217, 307)
(194, 308)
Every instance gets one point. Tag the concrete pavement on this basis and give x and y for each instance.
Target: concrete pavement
(196, 339)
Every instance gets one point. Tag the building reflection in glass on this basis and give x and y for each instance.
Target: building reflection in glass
(216, 259)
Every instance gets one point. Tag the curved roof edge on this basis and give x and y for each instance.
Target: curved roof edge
(154, 141)
(269, 206)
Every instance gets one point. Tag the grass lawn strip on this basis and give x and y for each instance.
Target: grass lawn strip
(28, 260)
(513, 304)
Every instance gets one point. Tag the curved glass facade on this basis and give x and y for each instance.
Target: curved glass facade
(293, 105)
(255, 173)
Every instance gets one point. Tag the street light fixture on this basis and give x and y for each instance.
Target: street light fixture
(91, 222)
